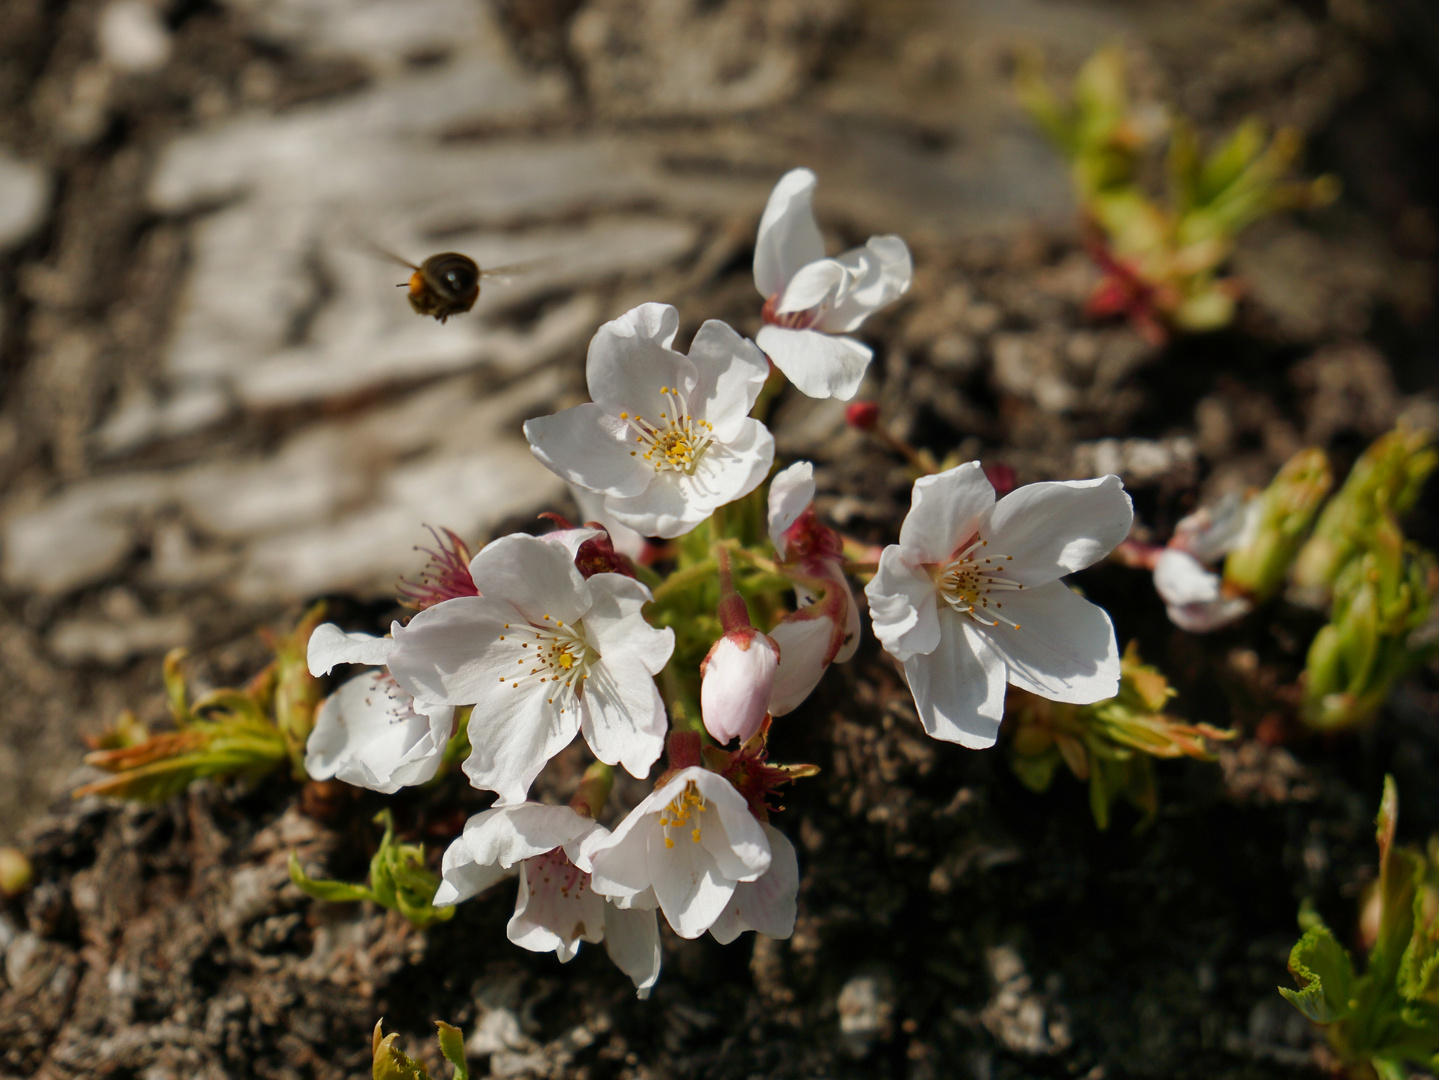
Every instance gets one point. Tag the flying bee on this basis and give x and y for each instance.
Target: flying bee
(446, 284)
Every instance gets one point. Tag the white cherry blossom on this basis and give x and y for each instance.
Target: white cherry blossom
(542, 653)
(1193, 595)
(556, 908)
(971, 598)
(812, 302)
(370, 732)
(667, 438)
(685, 849)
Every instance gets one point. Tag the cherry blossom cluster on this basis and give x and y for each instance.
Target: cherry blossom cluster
(637, 631)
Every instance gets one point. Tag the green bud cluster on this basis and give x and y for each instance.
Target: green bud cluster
(243, 733)
(399, 880)
(1384, 1022)
(1163, 257)
(1380, 587)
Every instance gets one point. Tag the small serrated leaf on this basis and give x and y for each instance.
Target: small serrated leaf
(1325, 974)
(452, 1045)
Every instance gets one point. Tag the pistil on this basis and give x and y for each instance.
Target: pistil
(677, 441)
(969, 580)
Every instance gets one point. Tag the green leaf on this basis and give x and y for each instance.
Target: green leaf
(1325, 975)
(452, 1045)
(391, 1063)
(336, 892)
(1397, 872)
(1036, 772)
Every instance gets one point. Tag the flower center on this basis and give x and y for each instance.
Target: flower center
(554, 871)
(402, 705)
(687, 805)
(677, 441)
(973, 581)
(552, 653)
(791, 320)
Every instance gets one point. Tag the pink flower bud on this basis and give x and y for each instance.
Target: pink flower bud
(737, 678)
(863, 415)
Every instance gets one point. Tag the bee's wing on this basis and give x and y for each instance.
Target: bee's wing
(506, 274)
(383, 253)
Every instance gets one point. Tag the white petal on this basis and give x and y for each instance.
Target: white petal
(880, 273)
(619, 863)
(789, 493)
(1056, 528)
(945, 510)
(813, 286)
(555, 909)
(630, 361)
(1202, 618)
(803, 645)
(820, 365)
(744, 853)
(449, 655)
(632, 938)
(540, 580)
(592, 508)
(767, 904)
(615, 623)
(959, 688)
(513, 733)
(1180, 579)
(623, 716)
(329, 645)
(463, 877)
(1064, 648)
(368, 734)
(735, 690)
(692, 892)
(510, 834)
(1213, 531)
(731, 372)
(903, 606)
(571, 540)
(588, 447)
(788, 234)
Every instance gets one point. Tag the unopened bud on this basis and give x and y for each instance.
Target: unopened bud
(738, 677)
(863, 415)
(1285, 509)
(1002, 478)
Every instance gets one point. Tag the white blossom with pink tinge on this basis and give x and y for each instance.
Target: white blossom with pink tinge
(685, 849)
(971, 598)
(556, 907)
(667, 438)
(812, 303)
(370, 732)
(1193, 595)
(543, 653)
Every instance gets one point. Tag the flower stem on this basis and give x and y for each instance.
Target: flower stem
(681, 580)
